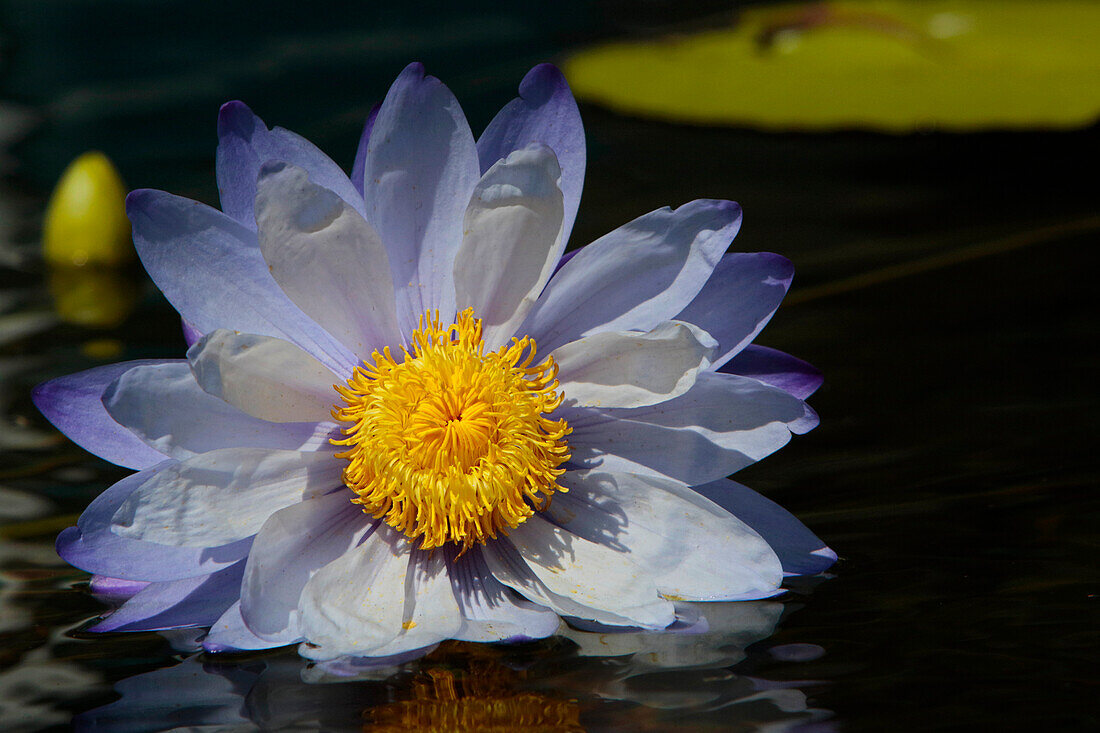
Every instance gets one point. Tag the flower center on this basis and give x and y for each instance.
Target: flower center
(449, 443)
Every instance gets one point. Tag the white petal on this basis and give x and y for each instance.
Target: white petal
(355, 603)
(800, 551)
(245, 144)
(420, 169)
(642, 273)
(631, 369)
(212, 271)
(575, 577)
(512, 241)
(720, 425)
(222, 496)
(431, 611)
(326, 258)
(265, 377)
(545, 112)
(74, 404)
(229, 634)
(739, 299)
(694, 549)
(492, 611)
(92, 546)
(164, 406)
(293, 544)
(378, 599)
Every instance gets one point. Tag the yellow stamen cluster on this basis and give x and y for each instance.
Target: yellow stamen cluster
(449, 443)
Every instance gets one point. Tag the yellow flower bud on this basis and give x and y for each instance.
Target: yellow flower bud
(86, 218)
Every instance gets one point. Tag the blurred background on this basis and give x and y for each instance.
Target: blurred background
(928, 166)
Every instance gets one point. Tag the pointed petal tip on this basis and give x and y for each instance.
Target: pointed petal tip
(42, 395)
(190, 334)
(813, 372)
(414, 69)
(806, 423)
(234, 114)
(777, 368)
(108, 624)
(730, 210)
(731, 207)
(416, 75)
(813, 563)
(541, 83)
(233, 106)
(65, 541)
(115, 590)
(783, 266)
(138, 199)
(543, 70)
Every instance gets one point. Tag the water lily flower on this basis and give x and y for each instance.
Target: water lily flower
(406, 417)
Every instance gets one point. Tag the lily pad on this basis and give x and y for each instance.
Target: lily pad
(891, 66)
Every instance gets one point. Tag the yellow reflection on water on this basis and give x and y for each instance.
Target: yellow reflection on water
(100, 297)
(483, 696)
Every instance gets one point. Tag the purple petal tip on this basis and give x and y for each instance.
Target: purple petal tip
(784, 267)
(138, 199)
(111, 588)
(191, 335)
(731, 208)
(65, 543)
(235, 115)
(41, 396)
(416, 68)
(541, 83)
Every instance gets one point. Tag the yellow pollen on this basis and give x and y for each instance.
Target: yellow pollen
(449, 443)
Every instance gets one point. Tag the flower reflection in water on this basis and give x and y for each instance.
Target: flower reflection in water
(683, 679)
(481, 697)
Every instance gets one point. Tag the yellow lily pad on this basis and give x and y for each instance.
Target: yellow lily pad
(86, 220)
(892, 66)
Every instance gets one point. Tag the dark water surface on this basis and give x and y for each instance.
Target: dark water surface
(942, 287)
